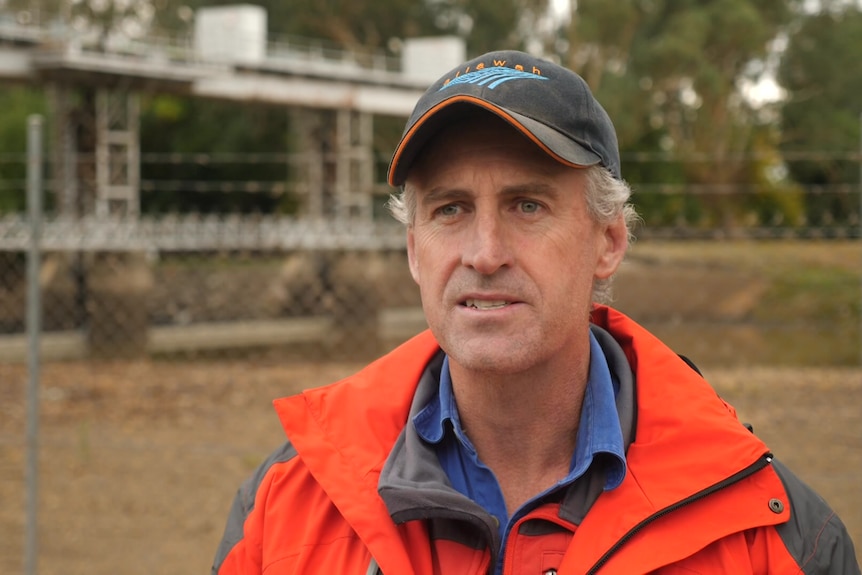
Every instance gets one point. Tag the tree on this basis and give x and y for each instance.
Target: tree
(669, 74)
(820, 72)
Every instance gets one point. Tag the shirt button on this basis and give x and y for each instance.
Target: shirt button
(550, 572)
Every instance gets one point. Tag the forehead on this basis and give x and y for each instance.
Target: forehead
(482, 143)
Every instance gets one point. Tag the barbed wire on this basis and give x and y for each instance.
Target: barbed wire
(280, 187)
(639, 157)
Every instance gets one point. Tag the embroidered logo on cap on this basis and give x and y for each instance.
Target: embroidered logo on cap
(492, 77)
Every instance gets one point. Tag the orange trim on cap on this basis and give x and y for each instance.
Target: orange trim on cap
(482, 104)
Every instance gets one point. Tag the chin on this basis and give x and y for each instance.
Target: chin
(491, 358)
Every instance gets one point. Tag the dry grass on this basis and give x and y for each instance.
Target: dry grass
(140, 461)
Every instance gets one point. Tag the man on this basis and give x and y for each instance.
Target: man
(531, 430)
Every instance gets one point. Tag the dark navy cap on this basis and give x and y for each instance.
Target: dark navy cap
(549, 104)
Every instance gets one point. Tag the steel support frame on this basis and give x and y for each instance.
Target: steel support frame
(118, 155)
(336, 160)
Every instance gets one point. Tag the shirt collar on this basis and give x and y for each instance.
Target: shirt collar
(430, 423)
(599, 430)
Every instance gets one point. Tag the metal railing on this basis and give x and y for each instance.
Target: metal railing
(194, 233)
(55, 37)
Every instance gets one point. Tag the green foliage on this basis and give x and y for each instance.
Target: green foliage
(16, 104)
(668, 74)
(178, 125)
(820, 121)
(775, 199)
(485, 24)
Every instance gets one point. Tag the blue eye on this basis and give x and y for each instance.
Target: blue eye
(448, 210)
(529, 207)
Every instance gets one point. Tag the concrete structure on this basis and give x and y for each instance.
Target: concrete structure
(231, 33)
(94, 84)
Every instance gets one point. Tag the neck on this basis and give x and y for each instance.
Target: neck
(523, 426)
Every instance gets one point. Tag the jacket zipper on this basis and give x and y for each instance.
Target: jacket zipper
(761, 463)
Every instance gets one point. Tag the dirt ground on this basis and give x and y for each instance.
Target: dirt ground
(139, 461)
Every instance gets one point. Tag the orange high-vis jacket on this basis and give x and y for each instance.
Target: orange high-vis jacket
(355, 491)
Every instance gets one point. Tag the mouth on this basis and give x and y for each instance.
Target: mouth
(485, 304)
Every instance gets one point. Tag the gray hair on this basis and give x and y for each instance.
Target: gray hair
(607, 199)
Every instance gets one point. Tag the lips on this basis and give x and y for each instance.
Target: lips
(485, 304)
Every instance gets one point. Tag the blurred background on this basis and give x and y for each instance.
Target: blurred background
(212, 232)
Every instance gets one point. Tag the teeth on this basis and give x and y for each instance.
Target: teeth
(485, 304)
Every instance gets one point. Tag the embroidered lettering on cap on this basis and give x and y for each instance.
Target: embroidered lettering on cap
(492, 77)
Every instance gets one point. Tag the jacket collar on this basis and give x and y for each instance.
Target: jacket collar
(682, 439)
(687, 441)
(344, 431)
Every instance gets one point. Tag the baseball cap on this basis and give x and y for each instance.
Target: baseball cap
(551, 105)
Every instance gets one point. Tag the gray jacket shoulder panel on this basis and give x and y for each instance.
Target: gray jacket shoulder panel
(243, 503)
(814, 536)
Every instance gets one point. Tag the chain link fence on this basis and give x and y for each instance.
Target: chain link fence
(221, 284)
(332, 304)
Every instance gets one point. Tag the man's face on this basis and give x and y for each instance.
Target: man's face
(504, 250)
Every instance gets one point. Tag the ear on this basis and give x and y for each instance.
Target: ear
(612, 247)
(411, 255)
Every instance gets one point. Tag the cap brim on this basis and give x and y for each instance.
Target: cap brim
(558, 146)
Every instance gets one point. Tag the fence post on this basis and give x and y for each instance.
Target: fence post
(34, 327)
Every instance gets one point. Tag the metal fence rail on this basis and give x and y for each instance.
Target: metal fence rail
(191, 233)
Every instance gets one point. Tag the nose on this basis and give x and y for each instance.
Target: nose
(487, 245)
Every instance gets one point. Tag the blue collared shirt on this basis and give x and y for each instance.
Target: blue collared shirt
(598, 433)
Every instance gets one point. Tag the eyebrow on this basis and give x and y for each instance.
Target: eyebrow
(441, 194)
